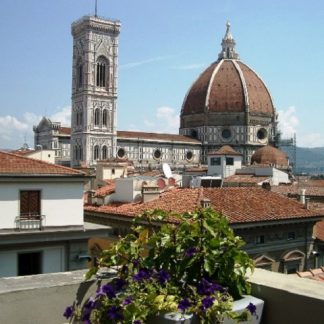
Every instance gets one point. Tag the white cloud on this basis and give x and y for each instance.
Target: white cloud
(288, 125)
(288, 122)
(166, 121)
(15, 131)
(63, 116)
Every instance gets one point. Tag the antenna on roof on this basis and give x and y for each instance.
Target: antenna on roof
(166, 170)
(96, 8)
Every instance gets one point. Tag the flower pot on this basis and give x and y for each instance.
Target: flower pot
(238, 306)
(241, 304)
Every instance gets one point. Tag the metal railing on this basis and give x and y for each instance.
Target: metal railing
(29, 221)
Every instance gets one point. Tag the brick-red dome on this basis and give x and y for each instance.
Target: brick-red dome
(269, 155)
(227, 86)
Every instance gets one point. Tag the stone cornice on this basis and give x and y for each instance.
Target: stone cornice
(97, 24)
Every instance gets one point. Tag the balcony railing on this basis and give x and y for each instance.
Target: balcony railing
(29, 222)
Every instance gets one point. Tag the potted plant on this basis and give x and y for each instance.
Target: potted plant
(173, 268)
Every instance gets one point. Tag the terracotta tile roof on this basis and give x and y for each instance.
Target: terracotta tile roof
(22, 152)
(12, 164)
(220, 89)
(156, 137)
(245, 178)
(269, 155)
(106, 190)
(65, 130)
(239, 204)
(225, 150)
(295, 189)
(315, 274)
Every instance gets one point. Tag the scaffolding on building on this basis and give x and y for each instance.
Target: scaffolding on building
(288, 145)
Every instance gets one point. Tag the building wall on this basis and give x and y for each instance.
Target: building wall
(278, 241)
(144, 153)
(61, 202)
(53, 260)
(224, 170)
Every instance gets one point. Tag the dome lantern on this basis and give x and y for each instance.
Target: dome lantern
(228, 46)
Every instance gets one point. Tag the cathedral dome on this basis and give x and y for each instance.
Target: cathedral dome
(270, 155)
(228, 86)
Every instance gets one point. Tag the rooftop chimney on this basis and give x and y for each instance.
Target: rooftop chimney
(150, 192)
(302, 196)
(205, 203)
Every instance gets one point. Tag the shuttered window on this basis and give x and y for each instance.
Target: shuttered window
(29, 203)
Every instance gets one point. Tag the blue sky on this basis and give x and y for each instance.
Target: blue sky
(163, 47)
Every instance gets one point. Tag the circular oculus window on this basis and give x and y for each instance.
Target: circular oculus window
(226, 133)
(121, 153)
(262, 134)
(157, 154)
(189, 155)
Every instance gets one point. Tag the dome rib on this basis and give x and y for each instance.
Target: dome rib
(250, 73)
(211, 81)
(246, 94)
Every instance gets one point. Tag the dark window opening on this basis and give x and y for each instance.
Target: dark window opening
(215, 161)
(260, 239)
(193, 133)
(101, 74)
(121, 153)
(96, 153)
(157, 154)
(226, 133)
(29, 263)
(97, 117)
(105, 118)
(80, 76)
(262, 134)
(104, 153)
(291, 236)
(229, 161)
(30, 203)
(189, 155)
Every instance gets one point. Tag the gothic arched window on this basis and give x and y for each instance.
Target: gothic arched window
(102, 72)
(80, 153)
(104, 152)
(76, 152)
(81, 118)
(79, 74)
(96, 153)
(105, 118)
(97, 117)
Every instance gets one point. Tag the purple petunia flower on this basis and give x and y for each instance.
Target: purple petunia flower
(207, 288)
(114, 313)
(137, 322)
(143, 274)
(88, 307)
(162, 276)
(109, 290)
(68, 312)
(136, 262)
(207, 302)
(190, 252)
(251, 308)
(184, 304)
(128, 300)
(119, 284)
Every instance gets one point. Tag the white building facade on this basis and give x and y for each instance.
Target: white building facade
(41, 228)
